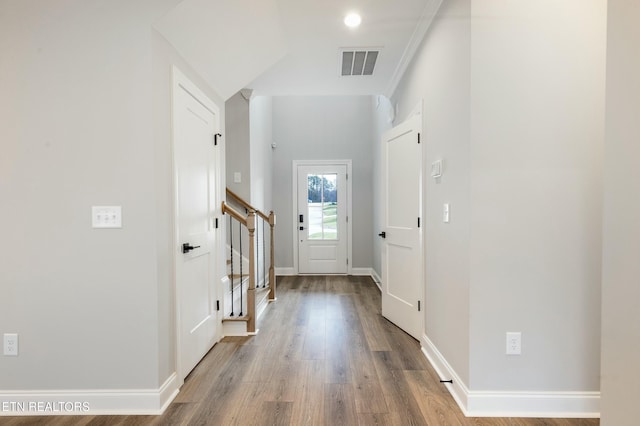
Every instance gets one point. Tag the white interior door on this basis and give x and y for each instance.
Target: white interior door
(195, 125)
(322, 219)
(402, 249)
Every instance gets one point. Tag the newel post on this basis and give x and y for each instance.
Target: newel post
(251, 290)
(272, 271)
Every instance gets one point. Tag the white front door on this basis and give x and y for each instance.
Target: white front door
(196, 121)
(402, 285)
(321, 222)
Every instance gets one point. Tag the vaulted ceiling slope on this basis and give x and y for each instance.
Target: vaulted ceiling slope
(228, 42)
(293, 47)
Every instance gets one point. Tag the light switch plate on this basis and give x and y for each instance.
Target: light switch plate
(106, 216)
(436, 169)
(10, 344)
(445, 213)
(237, 177)
(514, 343)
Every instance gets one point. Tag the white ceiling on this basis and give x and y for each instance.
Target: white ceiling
(314, 32)
(291, 47)
(228, 42)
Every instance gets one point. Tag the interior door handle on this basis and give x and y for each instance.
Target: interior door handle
(383, 234)
(301, 219)
(186, 247)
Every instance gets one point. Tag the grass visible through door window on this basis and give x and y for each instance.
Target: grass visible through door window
(323, 207)
(327, 229)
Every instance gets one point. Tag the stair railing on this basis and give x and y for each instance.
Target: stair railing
(249, 223)
(263, 221)
(255, 222)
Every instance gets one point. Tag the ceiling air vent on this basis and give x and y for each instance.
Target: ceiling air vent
(358, 62)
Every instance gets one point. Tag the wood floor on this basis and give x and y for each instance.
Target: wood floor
(324, 356)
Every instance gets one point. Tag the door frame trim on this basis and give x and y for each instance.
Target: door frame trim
(179, 81)
(294, 207)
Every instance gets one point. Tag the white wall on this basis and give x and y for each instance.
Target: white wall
(80, 136)
(261, 155)
(439, 75)
(514, 104)
(86, 102)
(237, 143)
(323, 128)
(537, 91)
(620, 287)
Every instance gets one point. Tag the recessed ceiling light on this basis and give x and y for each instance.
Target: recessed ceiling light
(352, 20)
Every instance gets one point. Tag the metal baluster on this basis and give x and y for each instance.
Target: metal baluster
(241, 262)
(231, 239)
(264, 262)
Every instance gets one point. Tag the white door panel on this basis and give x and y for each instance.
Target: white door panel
(402, 250)
(195, 164)
(322, 200)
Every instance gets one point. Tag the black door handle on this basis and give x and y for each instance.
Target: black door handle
(301, 218)
(382, 234)
(186, 247)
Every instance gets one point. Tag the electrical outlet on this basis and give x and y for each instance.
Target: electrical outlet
(11, 344)
(514, 343)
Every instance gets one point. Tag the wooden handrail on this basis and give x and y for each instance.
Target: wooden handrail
(226, 209)
(246, 205)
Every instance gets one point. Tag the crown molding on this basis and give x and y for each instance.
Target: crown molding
(428, 14)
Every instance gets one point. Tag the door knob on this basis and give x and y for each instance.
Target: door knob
(383, 234)
(186, 247)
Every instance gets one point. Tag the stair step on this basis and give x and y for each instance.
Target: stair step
(236, 276)
(244, 318)
(228, 261)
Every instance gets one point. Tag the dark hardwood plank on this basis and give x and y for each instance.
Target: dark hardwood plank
(396, 390)
(369, 397)
(314, 340)
(340, 405)
(274, 413)
(436, 407)
(246, 406)
(176, 414)
(308, 407)
(380, 419)
(198, 382)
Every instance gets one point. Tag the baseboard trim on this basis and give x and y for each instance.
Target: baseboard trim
(457, 389)
(284, 271)
(89, 402)
(583, 405)
(509, 403)
(376, 279)
(361, 272)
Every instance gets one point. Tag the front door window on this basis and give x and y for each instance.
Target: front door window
(322, 201)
